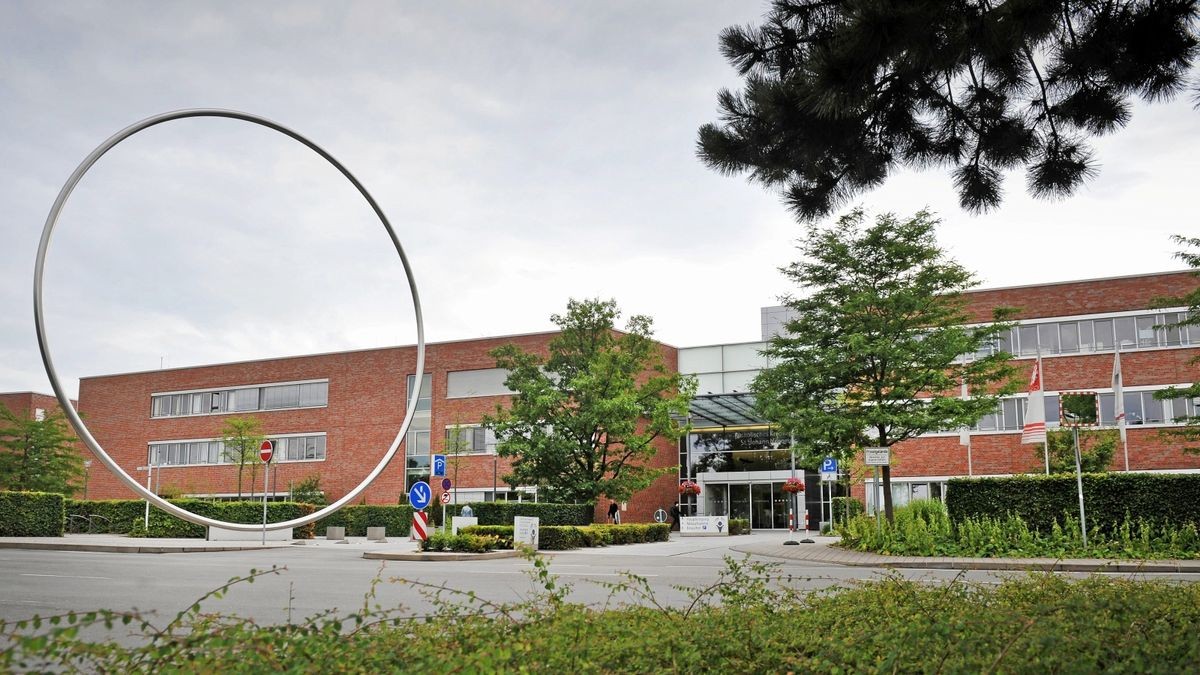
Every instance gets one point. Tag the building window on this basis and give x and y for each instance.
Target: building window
(241, 399)
(425, 399)
(298, 448)
(470, 440)
(1145, 331)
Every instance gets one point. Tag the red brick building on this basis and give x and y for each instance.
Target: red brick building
(741, 464)
(332, 415)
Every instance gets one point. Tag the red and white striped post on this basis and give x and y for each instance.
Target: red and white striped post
(420, 526)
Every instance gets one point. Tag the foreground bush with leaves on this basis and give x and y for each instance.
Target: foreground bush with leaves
(751, 620)
(923, 528)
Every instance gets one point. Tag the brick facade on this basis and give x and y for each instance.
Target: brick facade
(366, 406)
(1001, 452)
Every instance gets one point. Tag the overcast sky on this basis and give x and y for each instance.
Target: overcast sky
(526, 153)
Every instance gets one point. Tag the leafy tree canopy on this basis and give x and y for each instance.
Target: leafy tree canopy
(1096, 449)
(840, 93)
(583, 422)
(242, 437)
(38, 455)
(875, 347)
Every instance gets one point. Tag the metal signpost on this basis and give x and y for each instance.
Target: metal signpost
(265, 452)
(829, 472)
(149, 468)
(419, 496)
(877, 457)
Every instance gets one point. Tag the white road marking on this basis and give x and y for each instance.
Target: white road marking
(65, 576)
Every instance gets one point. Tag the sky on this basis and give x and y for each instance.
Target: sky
(526, 153)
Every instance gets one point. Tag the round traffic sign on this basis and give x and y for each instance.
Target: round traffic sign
(446, 483)
(266, 450)
(445, 497)
(419, 495)
(660, 516)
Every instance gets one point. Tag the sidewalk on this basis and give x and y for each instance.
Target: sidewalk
(823, 552)
(116, 543)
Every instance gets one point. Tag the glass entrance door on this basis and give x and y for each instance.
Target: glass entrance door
(739, 501)
(760, 506)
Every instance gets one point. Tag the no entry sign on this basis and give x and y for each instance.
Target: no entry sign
(266, 451)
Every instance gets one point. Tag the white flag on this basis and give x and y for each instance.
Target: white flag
(1118, 394)
(1035, 411)
(964, 434)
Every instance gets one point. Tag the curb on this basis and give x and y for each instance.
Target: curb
(445, 557)
(856, 559)
(110, 548)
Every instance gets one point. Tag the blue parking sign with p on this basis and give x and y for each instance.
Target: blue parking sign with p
(439, 466)
(829, 465)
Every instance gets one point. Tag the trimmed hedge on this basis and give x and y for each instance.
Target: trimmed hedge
(502, 513)
(32, 514)
(356, 518)
(566, 537)
(126, 516)
(1108, 497)
(739, 526)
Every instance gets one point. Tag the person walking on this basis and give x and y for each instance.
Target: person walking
(674, 516)
(614, 513)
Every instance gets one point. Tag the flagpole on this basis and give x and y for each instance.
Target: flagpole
(1119, 400)
(1046, 435)
(964, 434)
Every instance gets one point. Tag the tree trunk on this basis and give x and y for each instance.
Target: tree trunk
(241, 470)
(887, 493)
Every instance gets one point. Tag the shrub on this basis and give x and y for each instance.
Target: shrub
(503, 533)
(565, 537)
(32, 514)
(463, 543)
(109, 516)
(1041, 501)
(845, 508)
(927, 531)
(118, 515)
(502, 513)
(736, 526)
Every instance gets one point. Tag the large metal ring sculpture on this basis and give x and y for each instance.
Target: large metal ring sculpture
(65, 402)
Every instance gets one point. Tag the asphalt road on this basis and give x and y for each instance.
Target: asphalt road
(316, 579)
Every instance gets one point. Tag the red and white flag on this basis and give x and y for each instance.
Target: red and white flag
(1118, 394)
(1035, 411)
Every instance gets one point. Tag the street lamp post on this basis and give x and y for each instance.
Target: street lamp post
(87, 473)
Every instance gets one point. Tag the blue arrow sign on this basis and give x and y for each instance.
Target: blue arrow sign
(439, 466)
(829, 465)
(419, 495)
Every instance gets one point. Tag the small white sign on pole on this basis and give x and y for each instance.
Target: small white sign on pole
(877, 456)
(525, 531)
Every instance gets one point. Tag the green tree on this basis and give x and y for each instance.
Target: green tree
(38, 455)
(840, 93)
(1190, 432)
(878, 344)
(583, 422)
(308, 490)
(1096, 450)
(242, 437)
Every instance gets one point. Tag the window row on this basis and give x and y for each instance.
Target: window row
(287, 449)
(1096, 335)
(1140, 408)
(475, 440)
(241, 399)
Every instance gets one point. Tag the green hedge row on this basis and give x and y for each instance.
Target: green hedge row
(31, 514)
(357, 518)
(1108, 497)
(123, 516)
(502, 513)
(165, 525)
(566, 537)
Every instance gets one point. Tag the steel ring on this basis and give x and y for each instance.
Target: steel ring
(64, 401)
